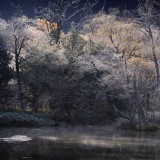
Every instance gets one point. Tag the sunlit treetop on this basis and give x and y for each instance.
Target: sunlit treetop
(46, 25)
(49, 27)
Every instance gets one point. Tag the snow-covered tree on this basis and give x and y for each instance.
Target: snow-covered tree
(15, 36)
(60, 12)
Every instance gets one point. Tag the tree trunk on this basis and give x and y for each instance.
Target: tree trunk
(58, 32)
(18, 78)
(126, 69)
(156, 66)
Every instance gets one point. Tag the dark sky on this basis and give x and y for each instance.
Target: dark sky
(6, 9)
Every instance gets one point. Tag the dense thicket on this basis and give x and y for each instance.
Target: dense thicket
(105, 68)
(6, 72)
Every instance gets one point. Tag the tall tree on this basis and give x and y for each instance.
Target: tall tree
(147, 21)
(16, 37)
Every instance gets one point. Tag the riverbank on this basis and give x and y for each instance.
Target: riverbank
(21, 119)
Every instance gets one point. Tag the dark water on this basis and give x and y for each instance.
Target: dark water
(78, 143)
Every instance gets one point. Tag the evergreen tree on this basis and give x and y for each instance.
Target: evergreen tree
(5, 70)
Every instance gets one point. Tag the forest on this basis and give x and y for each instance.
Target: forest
(103, 69)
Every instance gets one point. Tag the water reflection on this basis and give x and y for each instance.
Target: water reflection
(80, 143)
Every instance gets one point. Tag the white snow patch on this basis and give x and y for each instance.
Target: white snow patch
(16, 138)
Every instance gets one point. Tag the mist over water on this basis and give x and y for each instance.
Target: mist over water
(78, 143)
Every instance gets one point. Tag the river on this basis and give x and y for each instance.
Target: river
(78, 143)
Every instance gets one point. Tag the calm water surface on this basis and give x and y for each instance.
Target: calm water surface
(78, 143)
